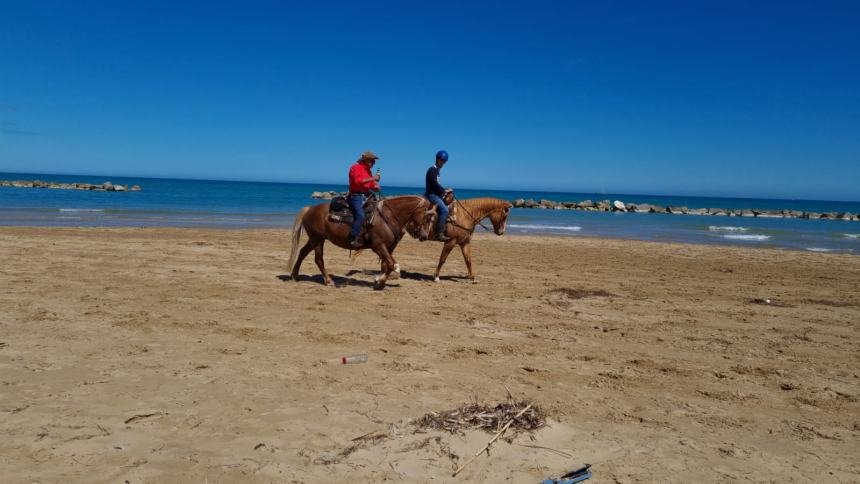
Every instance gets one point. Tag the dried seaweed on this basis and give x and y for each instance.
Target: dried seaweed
(484, 417)
(579, 293)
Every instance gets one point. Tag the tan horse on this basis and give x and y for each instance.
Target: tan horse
(467, 214)
(396, 214)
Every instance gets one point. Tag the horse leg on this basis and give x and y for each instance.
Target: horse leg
(446, 249)
(388, 264)
(386, 269)
(318, 258)
(393, 270)
(466, 249)
(302, 254)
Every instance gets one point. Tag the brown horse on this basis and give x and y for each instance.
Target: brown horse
(394, 215)
(467, 214)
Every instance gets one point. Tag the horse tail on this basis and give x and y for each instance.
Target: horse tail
(297, 233)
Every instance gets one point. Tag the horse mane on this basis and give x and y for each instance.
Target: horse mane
(483, 205)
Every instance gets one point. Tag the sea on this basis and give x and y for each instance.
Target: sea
(166, 202)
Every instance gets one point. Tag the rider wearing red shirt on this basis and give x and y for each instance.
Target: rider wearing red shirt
(361, 183)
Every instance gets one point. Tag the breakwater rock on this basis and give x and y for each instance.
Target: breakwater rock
(328, 195)
(620, 206)
(104, 187)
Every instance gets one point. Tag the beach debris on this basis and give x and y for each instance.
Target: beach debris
(770, 302)
(561, 296)
(354, 359)
(577, 475)
(486, 448)
(372, 436)
(142, 416)
(514, 416)
(577, 293)
(522, 415)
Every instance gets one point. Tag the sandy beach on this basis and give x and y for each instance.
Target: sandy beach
(184, 355)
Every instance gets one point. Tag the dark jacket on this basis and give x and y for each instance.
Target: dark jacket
(431, 183)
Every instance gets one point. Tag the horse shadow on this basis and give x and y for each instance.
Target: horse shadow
(349, 281)
(338, 281)
(417, 276)
(413, 276)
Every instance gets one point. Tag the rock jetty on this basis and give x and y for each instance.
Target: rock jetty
(104, 187)
(620, 206)
(328, 195)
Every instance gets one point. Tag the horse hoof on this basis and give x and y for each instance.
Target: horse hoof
(329, 283)
(378, 286)
(436, 279)
(395, 274)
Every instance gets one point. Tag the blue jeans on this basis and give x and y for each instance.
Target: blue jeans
(443, 212)
(356, 204)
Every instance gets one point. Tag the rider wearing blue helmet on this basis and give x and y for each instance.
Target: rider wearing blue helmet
(435, 192)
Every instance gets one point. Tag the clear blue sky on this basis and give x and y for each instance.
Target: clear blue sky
(717, 98)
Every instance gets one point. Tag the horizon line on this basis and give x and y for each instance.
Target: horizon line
(462, 188)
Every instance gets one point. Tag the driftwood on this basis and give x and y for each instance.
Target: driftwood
(524, 415)
(495, 437)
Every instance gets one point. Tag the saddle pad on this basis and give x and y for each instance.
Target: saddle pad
(340, 217)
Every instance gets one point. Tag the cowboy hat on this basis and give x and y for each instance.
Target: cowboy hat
(368, 155)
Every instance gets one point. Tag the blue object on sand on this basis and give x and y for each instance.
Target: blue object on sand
(571, 477)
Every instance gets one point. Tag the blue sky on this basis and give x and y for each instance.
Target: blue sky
(689, 98)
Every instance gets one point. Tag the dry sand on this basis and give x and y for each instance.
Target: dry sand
(178, 355)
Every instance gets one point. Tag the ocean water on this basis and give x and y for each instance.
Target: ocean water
(199, 203)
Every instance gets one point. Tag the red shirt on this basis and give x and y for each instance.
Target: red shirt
(357, 173)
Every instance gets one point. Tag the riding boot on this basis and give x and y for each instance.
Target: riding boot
(440, 236)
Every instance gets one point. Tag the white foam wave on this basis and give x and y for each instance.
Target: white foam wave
(546, 227)
(818, 249)
(82, 210)
(852, 236)
(723, 228)
(754, 237)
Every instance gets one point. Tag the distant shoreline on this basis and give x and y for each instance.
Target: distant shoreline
(105, 187)
(619, 206)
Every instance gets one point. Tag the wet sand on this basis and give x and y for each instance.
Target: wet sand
(180, 355)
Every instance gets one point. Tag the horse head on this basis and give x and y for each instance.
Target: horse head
(499, 217)
(422, 218)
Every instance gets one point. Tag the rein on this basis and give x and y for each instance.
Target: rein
(399, 235)
(474, 219)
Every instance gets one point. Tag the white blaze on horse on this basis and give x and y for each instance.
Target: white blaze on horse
(409, 213)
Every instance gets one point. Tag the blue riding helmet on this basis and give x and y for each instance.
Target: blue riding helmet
(442, 155)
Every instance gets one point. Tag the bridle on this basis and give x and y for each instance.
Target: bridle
(474, 219)
(400, 225)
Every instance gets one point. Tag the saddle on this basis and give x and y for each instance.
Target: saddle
(339, 211)
(448, 199)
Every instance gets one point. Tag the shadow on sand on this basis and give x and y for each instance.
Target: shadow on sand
(338, 281)
(349, 281)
